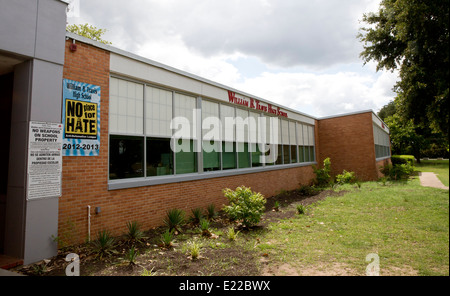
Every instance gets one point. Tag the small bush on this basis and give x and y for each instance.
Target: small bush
(306, 190)
(301, 209)
(245, 205)
(398, 171)
(204, 227)
(132, 255)
(167, 239)
(345, 178)
(194, 248)
(174, 219)
(197, 215)
(134, 232)
(104, 244)
(323, 175)
(232, 234)
(276, 206)
(402, 159)
(211, 212)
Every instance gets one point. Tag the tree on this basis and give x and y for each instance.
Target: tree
(88, 31)
(413, 37)
(387, 110)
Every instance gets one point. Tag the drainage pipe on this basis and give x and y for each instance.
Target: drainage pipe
(89, 223)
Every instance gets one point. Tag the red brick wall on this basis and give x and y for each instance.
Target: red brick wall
(348, 141)
(85, 179)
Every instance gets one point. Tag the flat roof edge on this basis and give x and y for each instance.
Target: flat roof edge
(175, 70)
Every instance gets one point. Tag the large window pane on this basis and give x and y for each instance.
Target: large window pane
(159, 157)
(286, 154)
(126, 157)
(243, 155)
(293, 154)
(186, 161)
(211, 156)
(301, 152)
(280, 155)
(126, 107)
(228, 155)
(256, 153)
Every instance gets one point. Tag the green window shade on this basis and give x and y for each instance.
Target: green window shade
(186, 161)
(293, 154)
(312, 153)
(228, 155)
(301, 152)
(307, 157)
(159, 157)
(256, 153)
(286, 155)
(211, 159)
(280, 155)
(243, 155)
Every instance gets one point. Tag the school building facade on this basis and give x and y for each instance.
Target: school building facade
(90, 137)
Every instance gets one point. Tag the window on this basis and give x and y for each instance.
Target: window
(125, 157)
(159, 157)
(146, 122)
(211, 137)
(382, 142)
(227, 115)
(185, 156)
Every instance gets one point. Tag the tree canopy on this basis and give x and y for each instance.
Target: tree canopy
(88, 31)
(412, 36)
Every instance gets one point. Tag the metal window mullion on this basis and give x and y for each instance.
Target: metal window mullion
(172, 138)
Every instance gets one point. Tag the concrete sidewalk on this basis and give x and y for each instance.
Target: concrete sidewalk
(431, 180)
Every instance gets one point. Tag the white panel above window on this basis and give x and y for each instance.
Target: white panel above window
(285, 132)
(300, 140)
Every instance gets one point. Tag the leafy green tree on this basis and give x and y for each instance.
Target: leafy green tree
(405, 136)
(88, 31)
(413, 37)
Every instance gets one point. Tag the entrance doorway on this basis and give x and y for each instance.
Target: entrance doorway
(6, 87)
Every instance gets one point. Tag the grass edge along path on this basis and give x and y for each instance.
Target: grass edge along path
(405, 224)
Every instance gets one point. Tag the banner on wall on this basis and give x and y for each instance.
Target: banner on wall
(81, 118)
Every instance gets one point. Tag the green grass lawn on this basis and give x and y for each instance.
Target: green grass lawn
(406, 224)
(439, 167)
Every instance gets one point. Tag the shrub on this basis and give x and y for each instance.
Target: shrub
(204, 227)
(306, 190)
(104, 244)
(402, 159)
(232, 234)
(245, 205)
(196, 215)
(131, 255)
(211, 212)
(345, 177)
(134, 232)
(174, 219)
(397, 171)
(323, 174)
(167, 238)
(301, 209)
(194, 247)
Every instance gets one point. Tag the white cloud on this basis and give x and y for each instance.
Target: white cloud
(306, 50)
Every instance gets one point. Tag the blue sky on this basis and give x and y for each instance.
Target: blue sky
(297, 53)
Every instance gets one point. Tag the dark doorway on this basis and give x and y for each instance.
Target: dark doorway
(6, 92)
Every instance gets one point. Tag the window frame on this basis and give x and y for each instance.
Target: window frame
(115, 184)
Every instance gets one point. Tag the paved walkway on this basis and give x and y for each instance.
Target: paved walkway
(431, 180)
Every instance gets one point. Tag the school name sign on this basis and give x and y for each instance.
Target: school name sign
(81, 118)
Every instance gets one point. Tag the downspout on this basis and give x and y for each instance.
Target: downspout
(89, 223)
